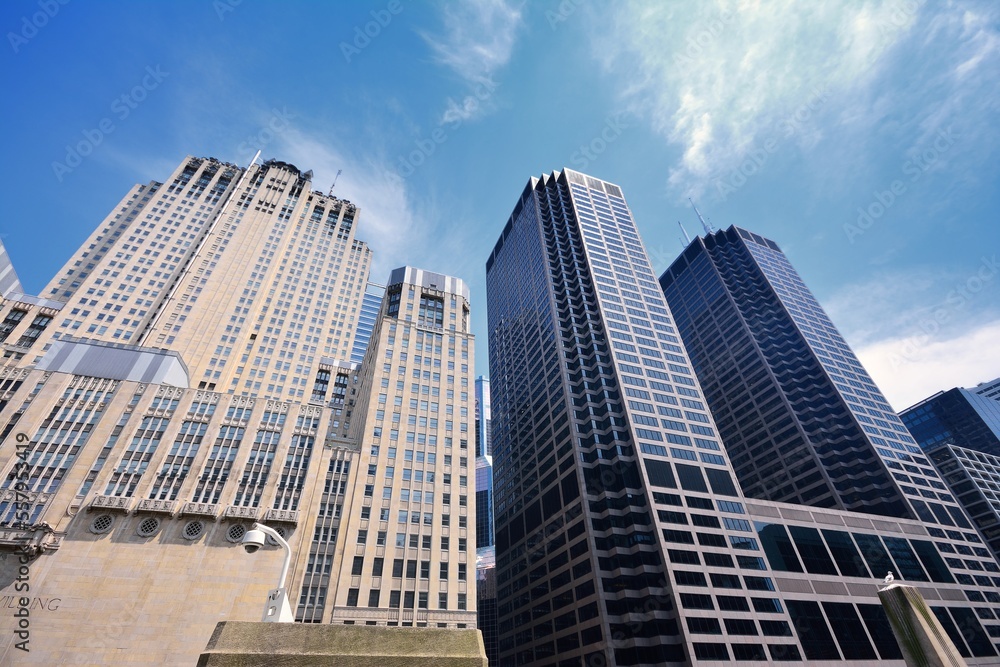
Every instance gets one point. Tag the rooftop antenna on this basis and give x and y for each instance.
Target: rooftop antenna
(705, 225)
(685, 232)
(339, 172)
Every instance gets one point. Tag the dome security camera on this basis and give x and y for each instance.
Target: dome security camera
(253, 540)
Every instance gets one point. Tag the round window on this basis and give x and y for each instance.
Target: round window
(102, 524)
(280, 530)
(148, 527)
(236, 532)
(193, 530)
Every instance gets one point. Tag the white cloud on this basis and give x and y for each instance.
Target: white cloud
(478, 40)
(719, 78)
(386, 222)
(399, 228)
(907, 371)
(919, 331)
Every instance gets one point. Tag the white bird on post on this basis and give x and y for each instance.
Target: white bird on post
(888, 578)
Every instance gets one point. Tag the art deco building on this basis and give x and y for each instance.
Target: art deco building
(622, 535)
(187, 373)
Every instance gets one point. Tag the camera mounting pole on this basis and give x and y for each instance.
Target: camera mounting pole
(276, 610)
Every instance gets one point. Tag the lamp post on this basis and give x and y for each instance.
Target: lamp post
(276, 610)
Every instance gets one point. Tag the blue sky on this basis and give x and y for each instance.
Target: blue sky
(861, 136)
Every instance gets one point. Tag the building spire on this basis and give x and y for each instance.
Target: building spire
(708, 228)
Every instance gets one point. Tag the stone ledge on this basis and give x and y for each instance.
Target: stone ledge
(245, 644)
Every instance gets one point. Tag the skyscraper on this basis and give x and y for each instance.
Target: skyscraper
(484, 445)
(959, 430)
(249, 274)
(188, 373)
(799, 415)
(964, 417)
(622, 537)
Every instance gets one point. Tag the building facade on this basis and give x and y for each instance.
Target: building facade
(969, 418)
(798, 413)
(622, 535)
(188, 373)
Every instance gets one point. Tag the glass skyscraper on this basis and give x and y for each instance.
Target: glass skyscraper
(622, 536)
(969, 418)
(801, 418)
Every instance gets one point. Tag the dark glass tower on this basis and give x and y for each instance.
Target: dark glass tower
(799, 415)
(621, 535)
(963, 417)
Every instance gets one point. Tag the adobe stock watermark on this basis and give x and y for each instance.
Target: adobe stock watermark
(590, 151)
(223, 7)
(704, 34)
(363, 35)
(22, 512)
(424, 148)
(962, 293)
(915, 167)
(276, 125)
(565, 9)
(122, 107)
(31, 24)
(758, 156)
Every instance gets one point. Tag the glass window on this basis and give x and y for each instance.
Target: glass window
(875, 554)
(932, 562)
(691, 478)
(972, 631)
(845, 554)
(881, 631)
(813, 632)
(849, 631)
(778, 548)
(901, 552)
(953, 632)
(814, 555)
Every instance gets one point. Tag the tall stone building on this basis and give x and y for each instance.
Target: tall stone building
(187, 373)
(622, 534)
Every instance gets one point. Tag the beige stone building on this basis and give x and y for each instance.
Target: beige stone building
(186, 374)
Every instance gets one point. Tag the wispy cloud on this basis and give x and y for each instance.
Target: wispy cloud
(960, 361)
(718, 79)
(478, 39)
(399, 228)
(920, 331)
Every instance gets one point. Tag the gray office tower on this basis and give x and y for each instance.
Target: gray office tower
(622, 537)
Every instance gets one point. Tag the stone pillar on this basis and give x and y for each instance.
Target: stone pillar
(918, 632)
(243, 644)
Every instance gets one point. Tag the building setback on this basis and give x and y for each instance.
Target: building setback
(187, 373)
(622, 537)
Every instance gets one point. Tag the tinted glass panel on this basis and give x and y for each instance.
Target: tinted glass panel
(874, 554)
(845, 554)
(811, 627)
(660, 474)
(932, 561)
(972, 631)
(949, 627)
(905, 559)
(778, 548)
(813, 552)
(691, 478)
(721, 482)
(880, 630)
(850, 632)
